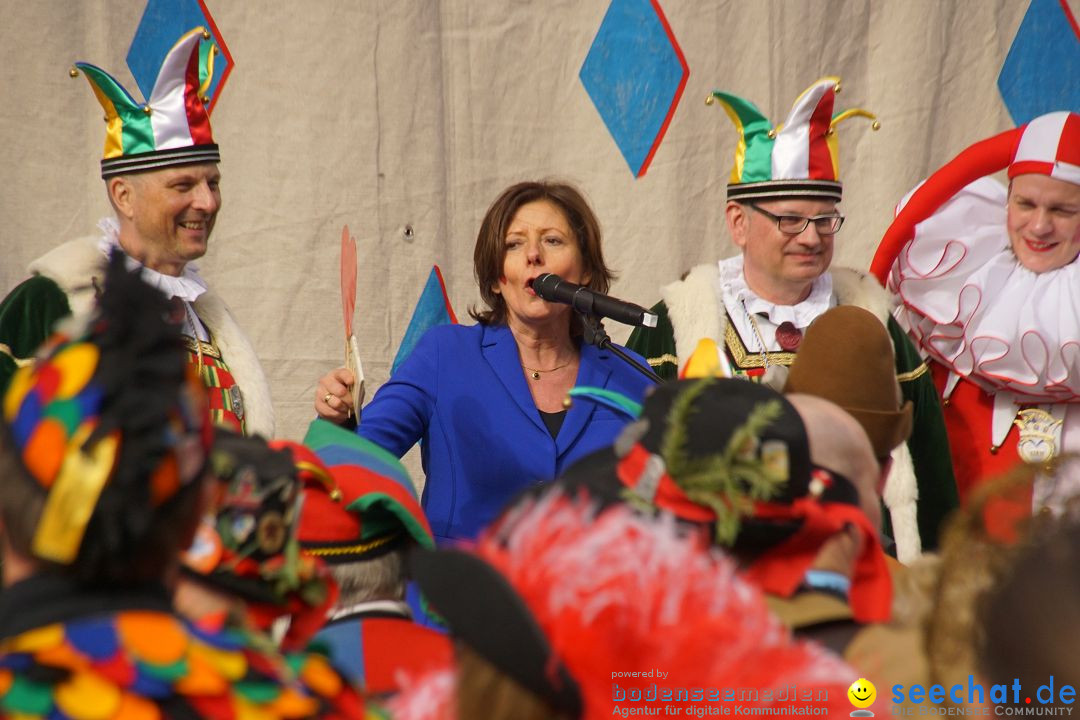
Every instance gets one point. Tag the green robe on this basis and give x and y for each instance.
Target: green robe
(27, 317)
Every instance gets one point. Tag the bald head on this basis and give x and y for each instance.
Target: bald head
(839, 443)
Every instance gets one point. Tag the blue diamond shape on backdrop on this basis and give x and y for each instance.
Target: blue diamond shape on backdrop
(162, 24)
(635, 74)
(1041, 74)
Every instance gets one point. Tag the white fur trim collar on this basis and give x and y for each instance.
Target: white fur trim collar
(695, 310)
(78, 268)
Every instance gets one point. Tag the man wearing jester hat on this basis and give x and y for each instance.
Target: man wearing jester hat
(161, 175)
(988, 283)
(752, 309)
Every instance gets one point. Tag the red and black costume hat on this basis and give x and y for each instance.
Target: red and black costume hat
(734, 456)
(249, 548)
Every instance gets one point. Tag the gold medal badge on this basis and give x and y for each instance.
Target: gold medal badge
(1039, 435)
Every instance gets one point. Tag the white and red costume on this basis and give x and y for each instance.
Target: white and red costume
(1004, 341)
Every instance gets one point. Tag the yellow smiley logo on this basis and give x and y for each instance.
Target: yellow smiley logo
(862, 693)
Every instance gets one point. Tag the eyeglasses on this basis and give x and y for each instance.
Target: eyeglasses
(795, 224)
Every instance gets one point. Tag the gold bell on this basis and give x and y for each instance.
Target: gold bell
(205, 34)
(837, 88)
(772, 134)
(567, 402)
(710, 100)
(335, 494)
(73, 72)
(146, 109)
(875, 126)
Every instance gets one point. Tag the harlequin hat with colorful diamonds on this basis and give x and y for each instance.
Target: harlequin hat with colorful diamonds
(173, 126)
(110, 423)
(799, 157)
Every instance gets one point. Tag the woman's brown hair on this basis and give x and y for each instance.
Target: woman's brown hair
(490, 250)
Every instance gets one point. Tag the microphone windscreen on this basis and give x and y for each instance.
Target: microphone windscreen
(546, 282)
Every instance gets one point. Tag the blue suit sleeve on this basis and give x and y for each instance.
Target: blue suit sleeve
(400, 413)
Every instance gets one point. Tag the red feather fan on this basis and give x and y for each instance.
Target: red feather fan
(620, 593)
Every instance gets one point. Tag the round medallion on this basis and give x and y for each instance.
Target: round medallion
(788, 336)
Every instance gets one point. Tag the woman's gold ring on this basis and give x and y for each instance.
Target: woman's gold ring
(326, 398)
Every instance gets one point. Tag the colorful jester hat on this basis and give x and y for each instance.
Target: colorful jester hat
(110, 422)
(173, 126)
(248, 547)
(797, 158)
(361, 504)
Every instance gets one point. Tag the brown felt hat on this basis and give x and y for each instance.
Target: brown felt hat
(847, 357)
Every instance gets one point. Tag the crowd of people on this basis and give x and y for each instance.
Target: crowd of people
(798, 508)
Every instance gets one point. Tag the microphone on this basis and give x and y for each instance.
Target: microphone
(553, 288)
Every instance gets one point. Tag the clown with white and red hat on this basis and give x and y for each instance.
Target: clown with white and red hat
(990, 291)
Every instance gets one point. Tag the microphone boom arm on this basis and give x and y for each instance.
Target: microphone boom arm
(595, 334)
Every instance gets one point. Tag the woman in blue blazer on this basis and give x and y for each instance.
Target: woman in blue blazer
(486, 400)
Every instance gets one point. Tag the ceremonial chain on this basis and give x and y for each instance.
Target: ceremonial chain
(194, 335)
(761, 340)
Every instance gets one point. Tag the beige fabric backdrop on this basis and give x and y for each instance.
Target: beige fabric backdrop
(385, 114)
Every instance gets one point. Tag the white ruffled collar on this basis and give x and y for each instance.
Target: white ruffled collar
(188, 286)
(737, 295)
(975, 309)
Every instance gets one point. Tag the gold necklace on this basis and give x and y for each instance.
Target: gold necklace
(535, 374)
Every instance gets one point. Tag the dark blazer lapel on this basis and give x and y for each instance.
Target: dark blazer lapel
(501, 353)
(593, 371)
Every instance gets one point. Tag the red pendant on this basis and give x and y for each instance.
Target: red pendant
(788, 336)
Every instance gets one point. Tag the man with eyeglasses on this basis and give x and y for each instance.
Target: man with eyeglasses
(753, 308)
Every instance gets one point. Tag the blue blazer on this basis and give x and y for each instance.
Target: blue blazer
(462, 391)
